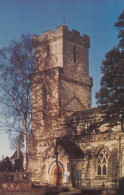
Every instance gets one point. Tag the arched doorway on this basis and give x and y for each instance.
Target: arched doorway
(57, 175)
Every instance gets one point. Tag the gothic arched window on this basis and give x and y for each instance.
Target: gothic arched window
(102, 163)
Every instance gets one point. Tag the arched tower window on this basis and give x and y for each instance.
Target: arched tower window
(102, 162)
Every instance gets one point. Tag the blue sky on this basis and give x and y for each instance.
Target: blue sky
(95, 18)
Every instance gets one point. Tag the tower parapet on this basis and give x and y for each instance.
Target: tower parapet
(64, 31)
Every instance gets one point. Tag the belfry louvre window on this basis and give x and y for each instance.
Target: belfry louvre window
(102, 163)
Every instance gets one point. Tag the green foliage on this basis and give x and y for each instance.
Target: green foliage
(120, 27)
(111, 94)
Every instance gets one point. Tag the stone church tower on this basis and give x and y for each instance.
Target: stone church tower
(65, 144)
(60, 85)
(66, 53)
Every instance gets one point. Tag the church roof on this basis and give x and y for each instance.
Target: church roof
(90, 112)
(71, 149)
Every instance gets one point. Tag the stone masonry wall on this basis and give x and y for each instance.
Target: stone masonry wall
(74, 96)
(91, 145)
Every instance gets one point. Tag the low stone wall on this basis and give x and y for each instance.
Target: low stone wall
(14, 176)
(16, 185)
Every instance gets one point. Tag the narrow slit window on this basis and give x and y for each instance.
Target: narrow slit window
(75, 53)
(44, 96)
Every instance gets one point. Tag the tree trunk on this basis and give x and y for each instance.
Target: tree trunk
(122, 122)
(25, 163)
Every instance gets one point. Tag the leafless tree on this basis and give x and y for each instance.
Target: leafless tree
(16, 64)
(17, 83)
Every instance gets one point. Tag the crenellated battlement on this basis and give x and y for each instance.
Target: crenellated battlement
(63, 31)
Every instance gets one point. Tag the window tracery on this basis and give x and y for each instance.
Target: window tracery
(102, 163)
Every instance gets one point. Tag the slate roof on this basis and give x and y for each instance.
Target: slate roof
(71, 149)
(90, 112)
